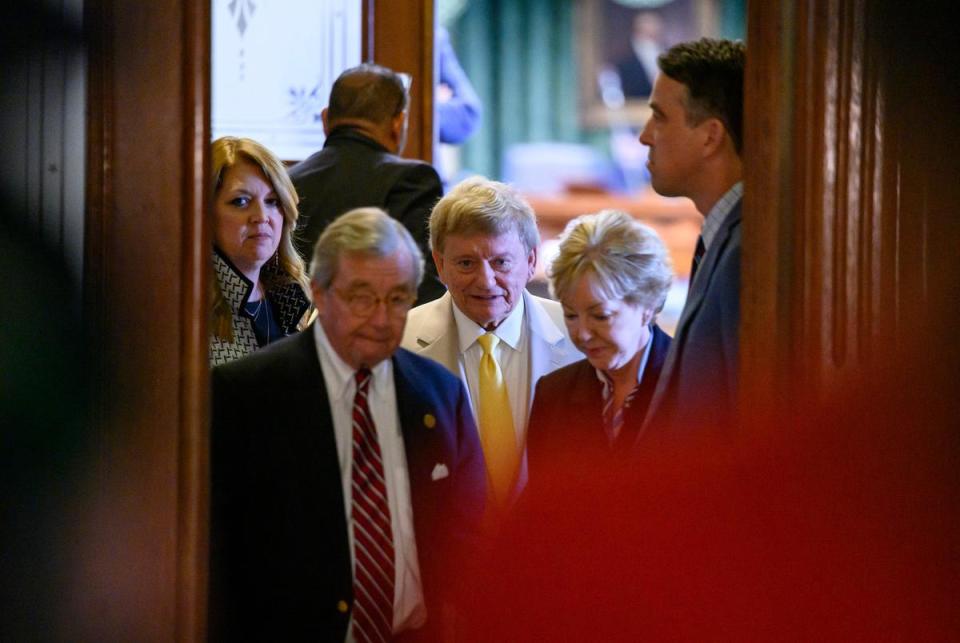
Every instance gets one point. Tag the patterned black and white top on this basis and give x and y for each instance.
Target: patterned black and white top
(289, 301)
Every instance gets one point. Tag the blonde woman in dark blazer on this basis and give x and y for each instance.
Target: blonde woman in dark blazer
(260, 284)
(611, 275)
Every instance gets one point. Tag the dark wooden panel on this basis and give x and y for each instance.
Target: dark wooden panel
(141, 541)
(193, 454)
(850, 178)
(399, 34)
(768, 317)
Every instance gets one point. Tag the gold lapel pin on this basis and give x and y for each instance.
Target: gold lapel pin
(429, 421)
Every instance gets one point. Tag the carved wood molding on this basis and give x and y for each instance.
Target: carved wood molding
(817, 303)
(850, 231)
(196, 242)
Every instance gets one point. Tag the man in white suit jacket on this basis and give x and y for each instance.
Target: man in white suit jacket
(484, 240)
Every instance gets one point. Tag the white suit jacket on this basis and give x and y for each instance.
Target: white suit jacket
(431, 331)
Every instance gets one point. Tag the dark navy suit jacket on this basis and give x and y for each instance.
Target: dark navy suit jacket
(280, 557)
(698, 388)
(353, 171)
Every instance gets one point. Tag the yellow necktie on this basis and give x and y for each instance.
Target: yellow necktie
(496, 424)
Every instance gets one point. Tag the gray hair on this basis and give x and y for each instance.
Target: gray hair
(480, 206)
(627, 258)
(366, 231)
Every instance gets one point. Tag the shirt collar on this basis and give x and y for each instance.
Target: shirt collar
(339, 372)
(508, 331)
(719, 212)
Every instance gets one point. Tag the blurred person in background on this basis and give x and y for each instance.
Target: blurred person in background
(260, 284)
(639, 67)
(459, 109)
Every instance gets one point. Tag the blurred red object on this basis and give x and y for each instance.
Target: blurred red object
(839, 523)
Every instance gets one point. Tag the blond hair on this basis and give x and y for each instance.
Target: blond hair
(480, 206)
(226, 152)
(627, 258)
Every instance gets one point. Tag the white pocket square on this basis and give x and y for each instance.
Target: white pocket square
(440, 472)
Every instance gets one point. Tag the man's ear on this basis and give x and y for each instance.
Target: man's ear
(715, 133)
(326, 123)
(319, 301)
(647, 316)
(396, 124)
(397, 133)
(531, 264)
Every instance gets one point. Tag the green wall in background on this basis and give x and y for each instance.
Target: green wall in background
(521, 57)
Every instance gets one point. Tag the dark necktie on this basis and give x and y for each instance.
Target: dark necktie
(613, 417)
(373, 572)
(697, 256)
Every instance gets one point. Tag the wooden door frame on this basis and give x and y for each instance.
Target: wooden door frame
(405, 43)
(147, 245)
(145, 290)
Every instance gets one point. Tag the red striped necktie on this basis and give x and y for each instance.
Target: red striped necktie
(373, 571)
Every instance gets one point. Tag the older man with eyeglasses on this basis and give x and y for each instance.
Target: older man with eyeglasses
(348, 478)
(488, 330)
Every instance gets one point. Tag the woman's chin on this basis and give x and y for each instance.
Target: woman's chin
(599, 363)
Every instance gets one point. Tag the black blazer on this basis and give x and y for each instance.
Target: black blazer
(280, 557)
(353, 171)
(567, 415)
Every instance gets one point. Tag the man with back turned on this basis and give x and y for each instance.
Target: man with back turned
(365, 124)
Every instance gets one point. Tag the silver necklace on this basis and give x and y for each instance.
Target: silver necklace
(255, 313)
(263, 295)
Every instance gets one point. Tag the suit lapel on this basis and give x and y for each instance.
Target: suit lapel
(649, 381)
(312, 426)
(695, 299)
(708, 266)
(437, 335)
(422, 449)
(547, 351)
(306, 457)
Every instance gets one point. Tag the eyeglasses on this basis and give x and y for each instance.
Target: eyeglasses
(363, 303)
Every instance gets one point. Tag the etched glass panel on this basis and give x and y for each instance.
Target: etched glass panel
(272, 67)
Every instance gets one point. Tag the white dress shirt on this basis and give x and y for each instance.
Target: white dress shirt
(512, 354)
(409, 609)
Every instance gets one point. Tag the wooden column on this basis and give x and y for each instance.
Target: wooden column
(141, 519)
(850, 183)
(767, 310)
(399, 34)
